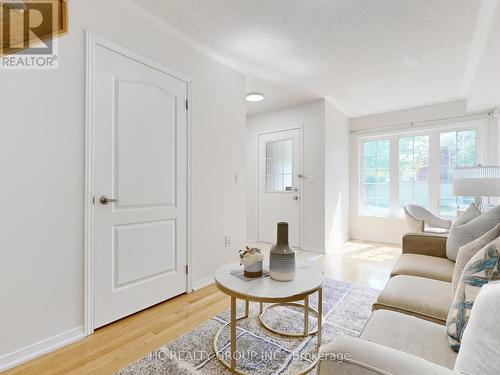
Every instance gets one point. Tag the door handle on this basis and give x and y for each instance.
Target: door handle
(295, 198)
(106, 200)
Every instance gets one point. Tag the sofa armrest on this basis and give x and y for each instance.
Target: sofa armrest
(425, 244)
(354, 356)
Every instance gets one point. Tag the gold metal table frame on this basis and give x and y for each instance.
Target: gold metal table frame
(274, 302)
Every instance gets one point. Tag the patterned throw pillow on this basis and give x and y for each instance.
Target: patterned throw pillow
(465, 253)
(481, 269)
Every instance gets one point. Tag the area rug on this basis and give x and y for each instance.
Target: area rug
(346, 309)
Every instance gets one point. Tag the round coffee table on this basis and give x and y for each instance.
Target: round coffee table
(308, 280)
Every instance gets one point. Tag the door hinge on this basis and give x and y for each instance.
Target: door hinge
(93, 200)
(187, 104)
(187, 269)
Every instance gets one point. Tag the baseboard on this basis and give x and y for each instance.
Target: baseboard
(197, 285)
(377, 239)
(314, 250)
(20, 356)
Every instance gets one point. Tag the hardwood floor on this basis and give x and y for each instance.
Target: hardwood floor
(120, 343)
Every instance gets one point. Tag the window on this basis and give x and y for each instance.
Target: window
(414, 170)
(457, 149)
(279, 166)
(376, 176)
(401, 169)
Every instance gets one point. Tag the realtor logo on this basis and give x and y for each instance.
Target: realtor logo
(29, 29)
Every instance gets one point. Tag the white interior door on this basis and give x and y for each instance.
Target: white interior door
(140, 147)
(280, 155)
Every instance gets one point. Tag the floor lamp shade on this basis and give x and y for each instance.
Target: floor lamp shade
(477, 181)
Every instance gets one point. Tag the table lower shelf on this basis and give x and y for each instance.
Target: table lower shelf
(232, 324)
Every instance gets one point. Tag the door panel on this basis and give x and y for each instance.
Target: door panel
(140, 139)
(146, 152)
(135, 245)
(279, 184)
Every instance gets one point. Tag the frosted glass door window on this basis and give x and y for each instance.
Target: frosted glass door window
(279, 165)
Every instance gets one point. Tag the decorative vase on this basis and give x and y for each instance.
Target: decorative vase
(282, 261)
(255, 270)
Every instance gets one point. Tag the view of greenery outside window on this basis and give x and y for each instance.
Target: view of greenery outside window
(457, 149)
(417, 180)
(414, 170)
(376, 174)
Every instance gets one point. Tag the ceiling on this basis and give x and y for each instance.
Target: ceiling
(277, 95)
(365, 56)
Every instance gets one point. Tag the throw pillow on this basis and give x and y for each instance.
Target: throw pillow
(469, 214)
(465, 253)
(481, 339)
(463, 233)
(481, 269)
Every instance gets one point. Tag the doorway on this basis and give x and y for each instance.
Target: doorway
(280, 184)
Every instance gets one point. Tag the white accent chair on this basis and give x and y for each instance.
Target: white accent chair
(421, 220)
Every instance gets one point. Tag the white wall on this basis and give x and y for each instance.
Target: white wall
(423, 113)
(336, 178)
(42, 164)
(386, 229)
(484, 92)
(312, 117)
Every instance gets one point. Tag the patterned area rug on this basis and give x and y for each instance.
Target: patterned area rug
(346, 309)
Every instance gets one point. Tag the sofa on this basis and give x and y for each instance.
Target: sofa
(406, 332)
(420, 283)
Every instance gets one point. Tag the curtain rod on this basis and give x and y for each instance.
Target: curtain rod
(419, 124)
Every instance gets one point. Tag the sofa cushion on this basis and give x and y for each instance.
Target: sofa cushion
(481, 269)
(436, 230)
(481, 339)
(463, 233)
(424, 266)
(424, 298)
(465, 253)
(410, 335)
(355, 356)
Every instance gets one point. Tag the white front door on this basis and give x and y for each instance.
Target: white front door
(280, 155)
(140, 147)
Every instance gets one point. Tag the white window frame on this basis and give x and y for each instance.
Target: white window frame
(481, 128)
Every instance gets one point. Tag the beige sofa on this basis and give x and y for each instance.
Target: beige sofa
(406, 333)
(420, 283)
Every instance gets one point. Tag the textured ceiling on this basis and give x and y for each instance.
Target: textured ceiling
(277, 95)
(367, 56)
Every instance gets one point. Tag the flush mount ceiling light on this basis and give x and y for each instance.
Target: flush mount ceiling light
(255, 97)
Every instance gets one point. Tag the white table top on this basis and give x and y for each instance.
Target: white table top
(308, 278)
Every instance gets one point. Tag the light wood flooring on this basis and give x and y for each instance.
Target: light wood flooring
(121, 343)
